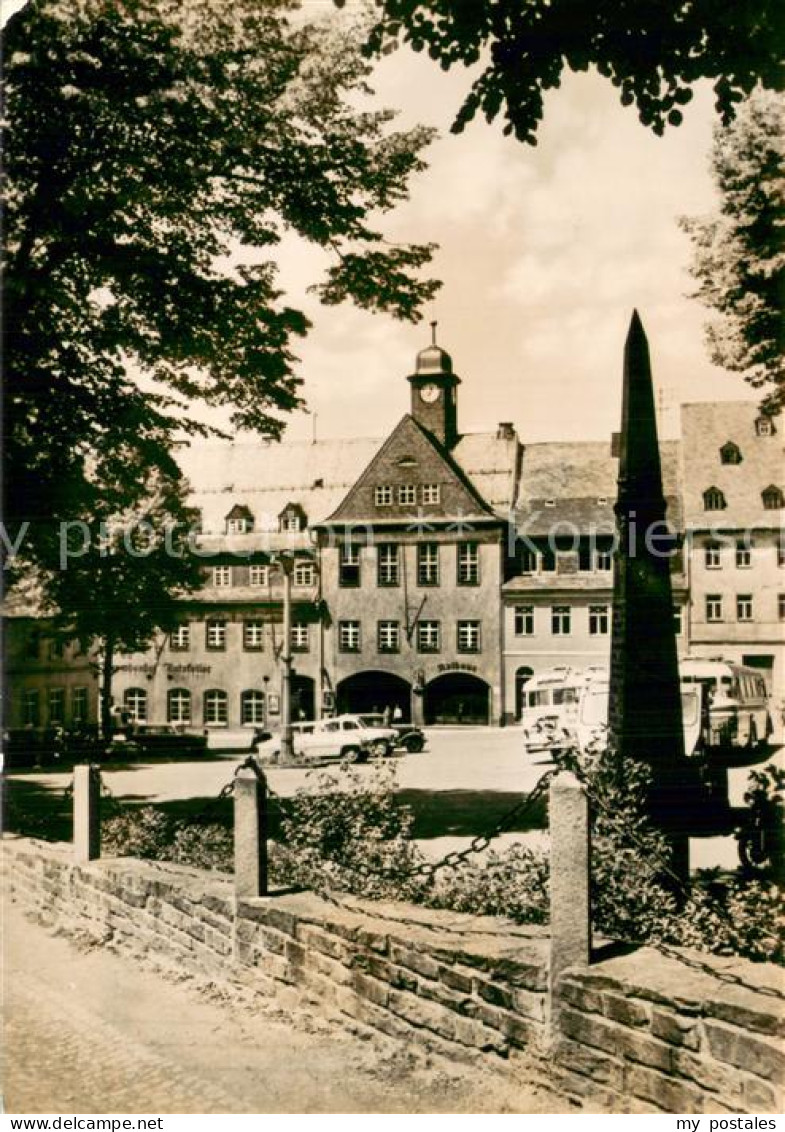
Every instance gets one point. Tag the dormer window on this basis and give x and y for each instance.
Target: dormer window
(764, 426)
(772, 498)
(239, 521)
(730, 453)
(292, 519)
(714, 500)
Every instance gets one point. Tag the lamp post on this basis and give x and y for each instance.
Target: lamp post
(286, 563)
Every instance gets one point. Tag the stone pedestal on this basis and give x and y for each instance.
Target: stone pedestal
(250, 835)
(87, 818)
(570, 877)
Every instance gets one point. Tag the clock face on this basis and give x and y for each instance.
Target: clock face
(430, 393)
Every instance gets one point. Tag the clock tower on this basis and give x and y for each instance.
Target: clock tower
(434, 393)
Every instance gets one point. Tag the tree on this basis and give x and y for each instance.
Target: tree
(126, 565)
(739, 251)
(156, 153)
(654, 52)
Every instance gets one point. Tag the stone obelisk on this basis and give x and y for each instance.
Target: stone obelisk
(645, 703)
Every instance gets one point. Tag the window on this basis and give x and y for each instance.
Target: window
(677, 620)
(431, 493)
(349, 636)
(79, 705)
(428, 636)
(712, 556)
(428, 564)
(253, 636)
(529, 561)
(713, 607)
(548, 560)
(238, 526)
(730, 453)
(135, 703)
(304, 574)
(388, 636)
(383, 495)
(178, 706)
(349, 565)
(258, 575)
(772, 498)
(781, 606)
(603, 560)
(31, 708)
(598, 620)
(744, 607)
(57, 705)
(764, 426)
(290, 521)
(713, 500)
(180, 638)
(560, 620)
(216, 707)
(407, 494)
(468, 564)
(222, 575)
(468, 639)
(215, 635)
(743, 555)
(300, 637)
(524, 620)
(252, 706)
(387, 565)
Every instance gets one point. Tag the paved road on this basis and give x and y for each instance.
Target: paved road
(456, 764)
(95, 1032)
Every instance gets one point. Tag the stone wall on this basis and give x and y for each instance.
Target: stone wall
(638, 1032)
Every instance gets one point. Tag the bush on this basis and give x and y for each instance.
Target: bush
(151, 834)
(512, 883)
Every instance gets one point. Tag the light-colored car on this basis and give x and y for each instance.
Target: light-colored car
(342, 737)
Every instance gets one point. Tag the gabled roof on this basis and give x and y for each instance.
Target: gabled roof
(705, 427)
(410, 455)
(575, 483)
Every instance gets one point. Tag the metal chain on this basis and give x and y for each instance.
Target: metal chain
(459, 856)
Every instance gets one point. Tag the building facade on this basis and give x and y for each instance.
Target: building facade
(433, 570)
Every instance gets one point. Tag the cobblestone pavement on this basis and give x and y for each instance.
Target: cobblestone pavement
(90, 1031)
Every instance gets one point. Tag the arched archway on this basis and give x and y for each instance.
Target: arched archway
(373, 692)
(303, 697)
(457, 697)
(522, 676)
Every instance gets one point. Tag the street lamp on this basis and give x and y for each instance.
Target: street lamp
(285, 561)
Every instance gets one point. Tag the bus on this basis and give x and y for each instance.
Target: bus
(737, 714)
(551, 708)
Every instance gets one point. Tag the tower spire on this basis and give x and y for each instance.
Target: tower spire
(434, 324)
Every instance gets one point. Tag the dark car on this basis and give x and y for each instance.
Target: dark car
(157, 739)
(410, 738)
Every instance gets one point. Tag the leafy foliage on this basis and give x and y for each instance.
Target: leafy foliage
(156, 154)
(347, 831)
(151, 834)
(513, 883)
(654, 53)
(739, 251)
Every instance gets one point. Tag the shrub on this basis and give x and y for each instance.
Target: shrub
(511, 883)
(150, 833)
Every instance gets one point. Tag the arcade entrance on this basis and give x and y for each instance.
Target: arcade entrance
(457, 697)
(373, 692)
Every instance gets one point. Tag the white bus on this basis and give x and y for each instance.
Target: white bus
(736, 702)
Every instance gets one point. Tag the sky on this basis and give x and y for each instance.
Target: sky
(544, 252)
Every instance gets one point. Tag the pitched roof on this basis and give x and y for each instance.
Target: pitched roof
(575, 483)
(706, 428)
(265, 475)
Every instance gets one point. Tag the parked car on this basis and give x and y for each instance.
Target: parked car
(342, 737)
(157, 739)
(407, 736)
(48, 746)
(234, 738)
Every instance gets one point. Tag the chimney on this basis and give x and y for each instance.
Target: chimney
(505, 431)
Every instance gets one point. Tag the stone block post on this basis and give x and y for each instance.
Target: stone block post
(250, 834)
(570, 877)
(87, 813)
